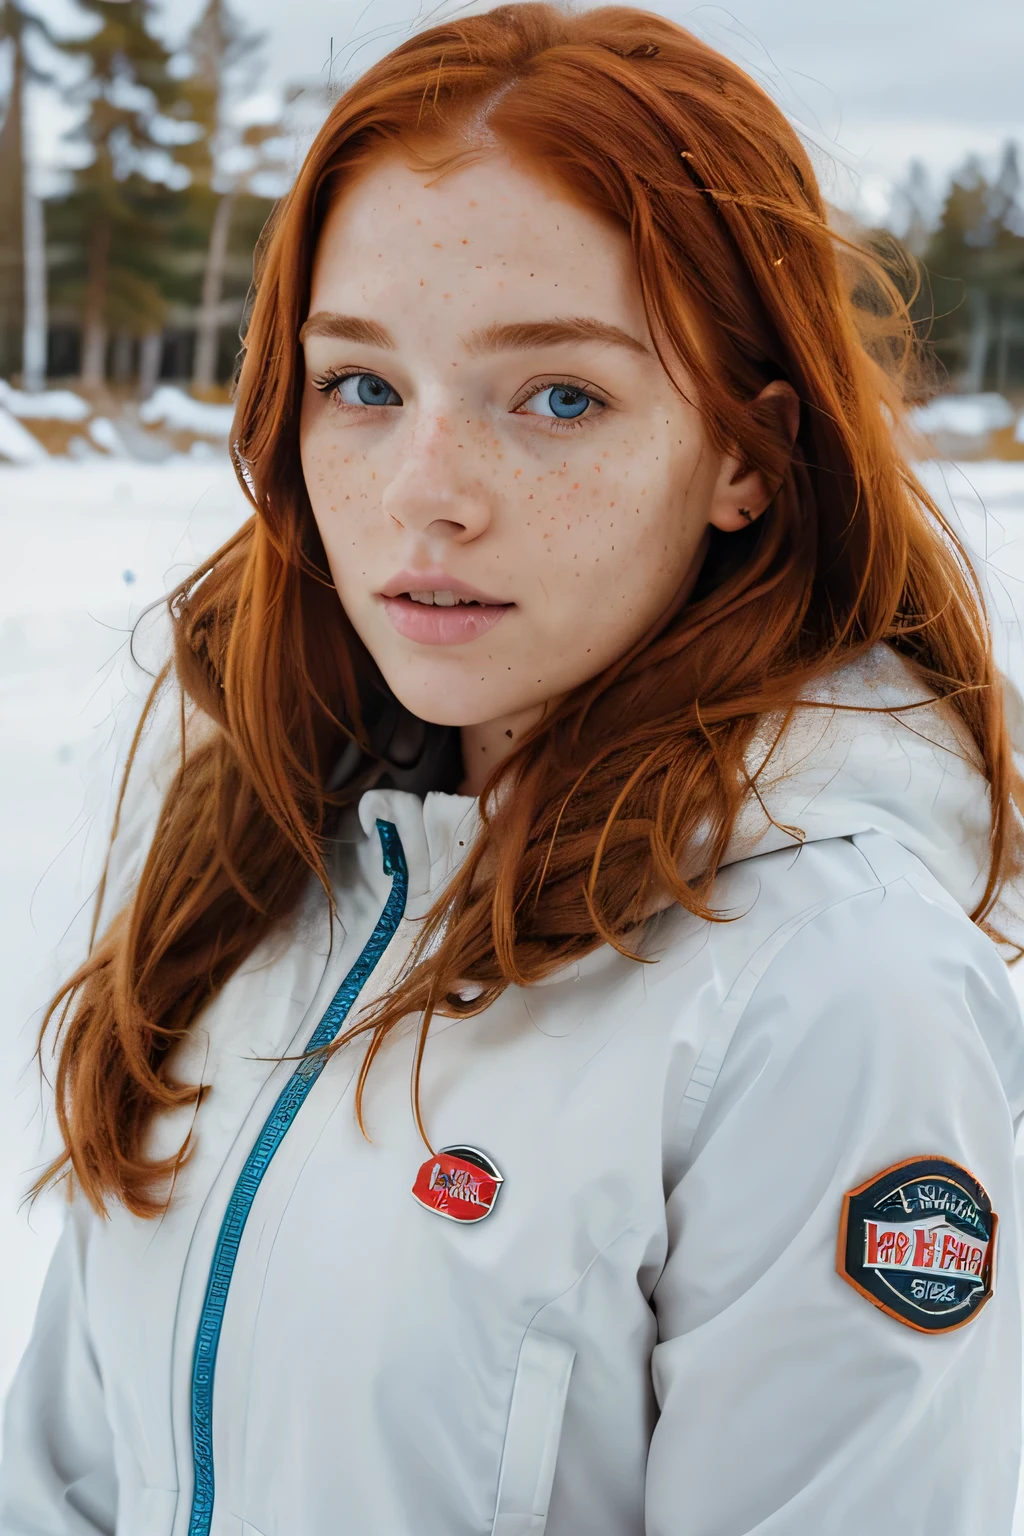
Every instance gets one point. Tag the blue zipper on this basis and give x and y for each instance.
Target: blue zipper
(275, 1128)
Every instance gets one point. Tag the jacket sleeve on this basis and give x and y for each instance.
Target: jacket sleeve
(57, 1476)
(790, 1405)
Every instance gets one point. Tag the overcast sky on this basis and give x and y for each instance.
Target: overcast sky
(874, 82)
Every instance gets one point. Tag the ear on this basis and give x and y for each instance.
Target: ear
(741, 494)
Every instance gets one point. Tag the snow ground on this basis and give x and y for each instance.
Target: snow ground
(968, 415)
(87, 547)
(46, 405)
(172, 407)
(17, 443)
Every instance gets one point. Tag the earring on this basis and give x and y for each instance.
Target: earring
(746, 514)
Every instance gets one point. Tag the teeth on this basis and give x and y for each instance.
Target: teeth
(439, 599)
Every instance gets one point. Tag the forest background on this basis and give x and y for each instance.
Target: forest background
(127, 235)
(127, 258)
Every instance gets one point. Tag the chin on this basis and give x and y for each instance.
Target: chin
(445, 706)
(444, 702)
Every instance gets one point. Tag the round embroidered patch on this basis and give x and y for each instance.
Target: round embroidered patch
(918, 1240)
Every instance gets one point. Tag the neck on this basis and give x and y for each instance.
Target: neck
(486, 746)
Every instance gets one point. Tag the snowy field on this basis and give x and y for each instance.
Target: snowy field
(86, 547)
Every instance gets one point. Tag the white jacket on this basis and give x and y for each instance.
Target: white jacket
(649, 1332)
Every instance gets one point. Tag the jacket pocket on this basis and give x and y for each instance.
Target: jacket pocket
(531, 1439)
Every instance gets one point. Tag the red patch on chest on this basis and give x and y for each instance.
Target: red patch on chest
(458, 1182)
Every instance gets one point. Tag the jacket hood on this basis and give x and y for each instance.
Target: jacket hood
(872, 750)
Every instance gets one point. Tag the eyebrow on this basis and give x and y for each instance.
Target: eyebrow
(514, 337)
(550, 333)
(346, 328)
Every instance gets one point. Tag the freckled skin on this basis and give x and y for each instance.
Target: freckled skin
(394, 487)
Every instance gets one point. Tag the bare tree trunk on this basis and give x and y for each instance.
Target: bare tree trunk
(978, 345)
(12, 222)
(1003, 349)
(150, 358)
(123, 357)
(33, 345)
(204, 368)
(94, 320)
(33, 367)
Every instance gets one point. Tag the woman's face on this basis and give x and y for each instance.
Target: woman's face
(508, 487)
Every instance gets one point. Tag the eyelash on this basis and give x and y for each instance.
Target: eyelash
(327, 383)
(565, 423)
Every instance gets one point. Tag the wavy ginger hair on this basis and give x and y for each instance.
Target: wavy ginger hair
(638, 774)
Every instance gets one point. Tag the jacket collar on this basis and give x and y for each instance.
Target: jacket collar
(856, 759)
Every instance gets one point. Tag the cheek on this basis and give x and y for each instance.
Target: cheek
(618, 525)
(340, 483)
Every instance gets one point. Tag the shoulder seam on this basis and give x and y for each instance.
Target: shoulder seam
(712, 1055)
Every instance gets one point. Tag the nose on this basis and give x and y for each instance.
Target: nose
(431, 492)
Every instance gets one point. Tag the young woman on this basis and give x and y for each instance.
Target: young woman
(547, 1065)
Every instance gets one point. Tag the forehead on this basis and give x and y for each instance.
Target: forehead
(490, 233)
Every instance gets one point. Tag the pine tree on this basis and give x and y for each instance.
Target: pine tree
(912, 215)
(1006, 262)
(134, 107)
(976, 258)
(1006, 190)
(224, 55)
(22, 240)
(12, 183)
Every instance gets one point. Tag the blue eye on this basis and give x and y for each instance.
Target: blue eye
(564, 402)
(365, 389)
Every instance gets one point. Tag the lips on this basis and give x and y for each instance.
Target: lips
(433, 608)
(433, 625)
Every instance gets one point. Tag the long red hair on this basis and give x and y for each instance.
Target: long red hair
(637, 775)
